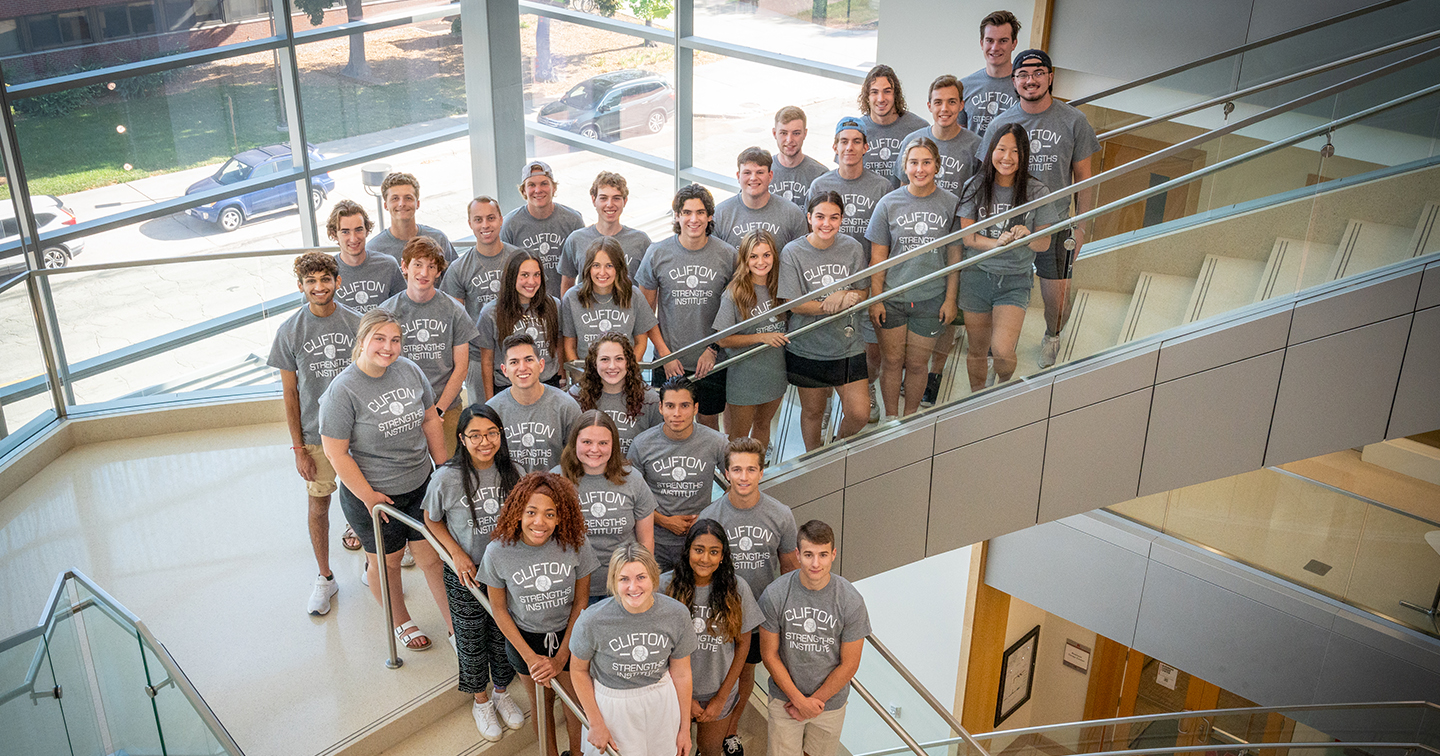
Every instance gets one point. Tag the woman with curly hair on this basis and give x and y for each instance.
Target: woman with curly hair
(725, 614)
(522, 307)
(536, 567)
(612, 384)
(618, 506)
(605, 300)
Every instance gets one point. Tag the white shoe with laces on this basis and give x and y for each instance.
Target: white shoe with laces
(510, 712)
(320, 595)
(486, 720)
(1049, 350)
(989, 372)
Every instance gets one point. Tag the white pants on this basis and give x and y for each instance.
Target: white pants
(643, 721)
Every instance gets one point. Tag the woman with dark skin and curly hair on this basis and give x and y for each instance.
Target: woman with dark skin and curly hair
(537, 565)
(612, 384)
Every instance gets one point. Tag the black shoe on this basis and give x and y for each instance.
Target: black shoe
(932, 390)
(732, 746)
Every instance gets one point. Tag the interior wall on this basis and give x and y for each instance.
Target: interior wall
(1058, 692)
(919, 64)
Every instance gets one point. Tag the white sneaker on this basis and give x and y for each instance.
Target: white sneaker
(486, 721)
(409, 561)
(320, 595)
(1049, 350)
(874, 403)
(989, 372)
(510, 713)
(365, 575)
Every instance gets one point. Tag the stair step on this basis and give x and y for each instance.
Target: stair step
(1094, 323)
(455, 734)
(1294, 264)
(1367, 246)
(1225, 283)
(1427, 231)
(1158, 303)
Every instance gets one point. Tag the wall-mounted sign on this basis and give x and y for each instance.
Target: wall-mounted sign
(1167, 676)
(1076, 656)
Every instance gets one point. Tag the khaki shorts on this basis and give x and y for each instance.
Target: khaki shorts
(448, 425)
(819, 736)
(324, 483)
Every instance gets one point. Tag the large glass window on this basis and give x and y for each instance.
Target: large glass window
(843, 32)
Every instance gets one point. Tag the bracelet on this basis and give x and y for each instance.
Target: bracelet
(293, 448)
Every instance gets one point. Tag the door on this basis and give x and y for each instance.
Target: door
(1171, 205)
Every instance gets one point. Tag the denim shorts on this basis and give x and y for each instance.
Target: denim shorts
(922, 318)
(981, 291)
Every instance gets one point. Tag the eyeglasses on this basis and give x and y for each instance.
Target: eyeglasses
(478, 436)
(1027, 76)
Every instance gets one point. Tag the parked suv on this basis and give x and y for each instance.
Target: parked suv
(50, 215)
(605, 106)
(229, 214)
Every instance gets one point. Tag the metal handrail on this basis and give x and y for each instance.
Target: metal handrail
(394, 661)
(925, 694)
(1331, 21)
(888, 718)
(124, 617)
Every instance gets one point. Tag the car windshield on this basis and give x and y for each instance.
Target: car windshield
(232, 172)
(579, 97)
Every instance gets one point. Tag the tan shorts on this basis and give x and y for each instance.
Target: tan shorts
(324, 483)
(448, 426)
(819, 736)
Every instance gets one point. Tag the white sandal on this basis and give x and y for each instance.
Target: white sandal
(408, 632)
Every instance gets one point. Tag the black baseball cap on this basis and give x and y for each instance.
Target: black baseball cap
(1033, 58)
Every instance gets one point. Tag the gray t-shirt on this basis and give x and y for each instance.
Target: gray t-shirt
(861, 195)
(1017, 261)
(793, 184)
(363, 287)
(804, 269)
(587, 325)
(679, 473)
(760, 377)
(628, 651)
(614, 405)
(611, 512)
(780, 217)
(812, 626)
(577, 245)
(470, 521)
(688, 287)
(315, 349)
(757, 536)
(487, 337)
(1059, 138)
(957, 159)
(388, 244)
(475, 279)
(713, 654)
(545, 238)
(539, 581)
(536, 432)
(904, 222)
(884, 142)
(985, 98)
(381, 418)
(433, 331)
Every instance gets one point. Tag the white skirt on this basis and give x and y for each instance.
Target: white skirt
(643, 721)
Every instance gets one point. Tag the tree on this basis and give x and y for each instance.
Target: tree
(650, 10)
(356, 68)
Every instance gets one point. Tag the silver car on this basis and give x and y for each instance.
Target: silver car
(50, 215)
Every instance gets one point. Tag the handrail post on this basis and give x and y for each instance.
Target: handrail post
(887, 718)
(394, 661)
(540, 719)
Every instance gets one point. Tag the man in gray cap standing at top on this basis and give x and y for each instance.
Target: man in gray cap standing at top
(1061, 143)
(542, 225)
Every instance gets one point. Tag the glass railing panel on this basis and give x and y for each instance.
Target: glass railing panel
(184, 730)
(1381, 27)
(71, 664)
(31, 724)
(865, 731)
(23, 367)
(119, 674)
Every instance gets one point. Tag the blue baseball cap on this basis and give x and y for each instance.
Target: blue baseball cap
(851, 122)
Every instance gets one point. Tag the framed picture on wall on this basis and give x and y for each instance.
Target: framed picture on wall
(1017, 675)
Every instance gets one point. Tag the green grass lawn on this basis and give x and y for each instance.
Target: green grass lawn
(184, 125)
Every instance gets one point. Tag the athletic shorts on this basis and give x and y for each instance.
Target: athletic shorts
(730, 701)
(324, 483)
(1056, 263)
(807, 373)
(642, 721)
(395, 533)
(544, 644)
(710, 390)
(981, 291)
(753, 657)
(922, 318)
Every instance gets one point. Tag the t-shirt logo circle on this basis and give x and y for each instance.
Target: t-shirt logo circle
(495, 285)
(809, 625)
(884, 153)
(678, 473)
(789, 195)
(699, 626)
(329, 351)
(396, 408)
(745, 543)
(1035, 146)
(827, 279)
(597, 510)
(605, 325)
(362, 297)
(491, 506)
(543, 583)
(423, 335)
(544, 247)
(993, 107)
(921, 227)
(849, 208)
(528, 439)
(692, 281)
(533, 332)
(640, 653)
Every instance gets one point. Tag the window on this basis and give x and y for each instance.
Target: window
(184, 14)
(127, 20)
(9, 36)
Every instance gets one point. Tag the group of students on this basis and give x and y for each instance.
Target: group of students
(543, 495)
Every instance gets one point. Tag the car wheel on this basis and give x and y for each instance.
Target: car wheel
(54, 257)
(589, 131)
(656, 122)
(231, 218)
(317, 198)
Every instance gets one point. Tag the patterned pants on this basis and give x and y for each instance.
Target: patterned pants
(480, 645)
